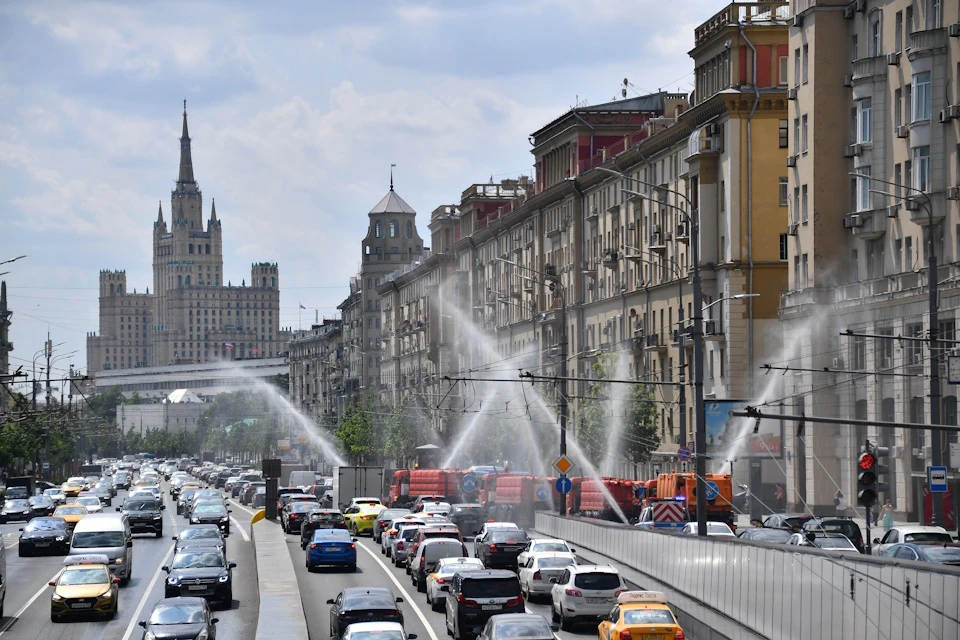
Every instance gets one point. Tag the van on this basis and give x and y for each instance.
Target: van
(302, 479)
(109, 534)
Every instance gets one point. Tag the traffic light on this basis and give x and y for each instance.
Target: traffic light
(867, 478)
(882, 455)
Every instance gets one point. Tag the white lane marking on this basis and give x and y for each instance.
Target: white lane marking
(240, 506)
(423, 618)
(236, 525)
(16, 616)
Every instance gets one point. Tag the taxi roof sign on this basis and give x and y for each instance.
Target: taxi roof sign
(86, 558)
(641, 596)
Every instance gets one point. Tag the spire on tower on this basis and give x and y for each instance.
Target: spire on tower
(213, 212)
(391, 176)
(160, 213)
(186, 160)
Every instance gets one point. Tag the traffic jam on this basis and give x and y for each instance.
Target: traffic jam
(450, 568)
(128, 548)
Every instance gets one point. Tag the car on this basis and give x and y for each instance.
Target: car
(438, 581)
(246, 497)
(359, 502)
(910, 533)
(499, 548)
(282, 491)
(511, 626)
(539, 545)
(211, 513)
(200, 534)
(103, 492)
(389, 535)
(71, 514)
(834, 542)
(763, 534)
(475, 596)
(429, 553)
(203, 495)
(427, 533)
(487, 526)
(416, 506)
(180, 617)
(238, 487)
(434, 507)
(73, 486)
(640, 614)
(384, 519)
(402, 543)
(259, 499)
(287, 498)
(540, 568)
(228, 484)
(293, 515)
(468, 516)
(714, 530)
(57, 495)
(320, 519)
(792, 521)
(84, 586)
(360, 518)
(369, 604)
(377, 631)
(331, 547)
(846, 526)
(200, 571)
(106, 482)
(936, 552)
(16, 509)
(152, 489)
(584, 591)
(122, 480)
(41, 506)
(145, 514)
(185, 496)
(44, 535)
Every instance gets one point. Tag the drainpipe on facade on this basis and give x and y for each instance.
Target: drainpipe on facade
(756, 101)
(579, 301)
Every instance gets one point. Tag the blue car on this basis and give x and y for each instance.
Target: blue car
(332, 547)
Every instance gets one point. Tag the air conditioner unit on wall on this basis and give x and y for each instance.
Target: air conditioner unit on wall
(792, 229)
(893, 59)
(848, 12)
(792, 161)
(903, 131)
(791, 94)
(837, 363)
(797, 21)
(954, 30)
(953, 193)
(853, 150)
(848, 80)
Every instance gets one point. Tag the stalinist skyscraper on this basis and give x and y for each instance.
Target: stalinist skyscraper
(192, 315)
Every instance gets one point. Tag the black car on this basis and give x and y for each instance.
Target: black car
(383, 521)
(763, 534)
(184, 499)
(19, 493)
(293, 515)
(238, 487)
(846, 526)
(16, 509)
(247, 495)
(500, 547)
(791, 521)
(122, 480)
(200, 534)
(362, 604)
(200, 571)
(44, 535)
(180, 618)
(211, 513)
(41, 506)
(468, 517)
(498, 590)
(511, 626)
(320, 519)
(144, 514)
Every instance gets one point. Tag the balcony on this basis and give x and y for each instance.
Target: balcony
(868, 225)
(927, 43)
(593, 214)
(868, 68)
(638, 343)
(654, 342)
(657, 243)
(713, 331)
(741, 12)
(919, 208)
(610, 259)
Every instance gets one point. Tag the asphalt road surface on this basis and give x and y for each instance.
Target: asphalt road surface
(27, 606)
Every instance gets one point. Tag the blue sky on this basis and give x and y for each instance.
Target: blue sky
(297, 110)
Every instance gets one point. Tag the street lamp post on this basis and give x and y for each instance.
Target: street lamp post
(936, 436)
(562, 408)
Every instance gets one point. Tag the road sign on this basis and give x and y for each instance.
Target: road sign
(683, 453)
(563, 464)
(468, 483)
(937, 479)
(953, 369)
(564, 485)
(46, 467)
(543, 493)
(712, 490)
(668, 511)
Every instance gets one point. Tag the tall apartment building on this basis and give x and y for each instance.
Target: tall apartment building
(192, 315)
(873, 175)
(314, 354)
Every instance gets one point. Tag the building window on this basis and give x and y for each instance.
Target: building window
(409, 229)
(854, 54)
(898, 255)
(864, 120)
(921, 96)
(805, 270)
(921, 166)
(806, 61)
(874, 45)
(190, 248)
(796, 67)
(784, 134)
(784, 192)
(394, 229)
(783, 247)
(803, 204)
(803, 125)
(933, 14)
(796, 205)
(898, 107)
(898, 33)
(796, 135)
(377, 229)
(864, 197)
(783, 71)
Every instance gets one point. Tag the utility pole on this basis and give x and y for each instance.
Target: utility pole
(46, 419)
(936, 435)
(701, 415)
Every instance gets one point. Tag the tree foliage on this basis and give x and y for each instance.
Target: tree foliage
(402, 433)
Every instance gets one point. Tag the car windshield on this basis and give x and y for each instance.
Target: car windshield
(469, 564)
(53, 492)
(326, 517)
(647, 616)
(96, 539)
(490, 588)
(528, 628)
(463, 508)
(387, 634)
(198, 560)
(550, 546)
(834, 543)
(205, 532)
(927, 536)
(769, 535)
(376, 598)
(945, 555)
(508, 535)
(70, 511)
(140, 505)
(84, 576)
(44, 525)
(186, 494)
(200, 495)
(553, 563)
(209, 509)
(303, 507)
(331, 535)
(38, 500)
(718, 527)
(16, 504)
(598, 581)
(177, 614)
(85, 500)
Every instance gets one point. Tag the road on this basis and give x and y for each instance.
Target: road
(27, 606)
(373, 569)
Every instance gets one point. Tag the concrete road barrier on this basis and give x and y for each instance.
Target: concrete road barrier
(281, 609)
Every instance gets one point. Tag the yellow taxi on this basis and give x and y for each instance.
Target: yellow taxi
(73, 486)
(84, 586)
(640, 615)
(360, 519)
(71, 513)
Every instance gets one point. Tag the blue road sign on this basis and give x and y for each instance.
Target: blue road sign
(46, 466)
(683, 453)
(712, 490)
(937, 479)
(543, 493)
(469, 483)
(564, 485)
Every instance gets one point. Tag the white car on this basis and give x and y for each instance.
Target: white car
(436, 509)
(438, 582)
(392, 531)
(57, 495)
(542, 544)
(584, 591)
(540, 568)
(835, 542)
(376, 631)
(910, 533)
(487, 526)
(91, 503)
(714, 530)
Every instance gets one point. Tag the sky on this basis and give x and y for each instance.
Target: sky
(296, 112)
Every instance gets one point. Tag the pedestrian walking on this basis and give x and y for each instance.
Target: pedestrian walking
(840, 503)
(886, 514)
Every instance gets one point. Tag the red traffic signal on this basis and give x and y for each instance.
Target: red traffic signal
(866, 461)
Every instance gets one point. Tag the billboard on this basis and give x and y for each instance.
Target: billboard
(729, 437)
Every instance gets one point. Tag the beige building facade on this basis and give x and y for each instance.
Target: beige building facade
(314, 356)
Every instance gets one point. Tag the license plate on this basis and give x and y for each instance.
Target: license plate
(648, 637)
(597, 600)
(196, 587)
(42, 544)
(334, 549)
(82, 605)
(492, 607)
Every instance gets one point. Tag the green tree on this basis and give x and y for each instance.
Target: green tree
(401, 434)
(355, 434)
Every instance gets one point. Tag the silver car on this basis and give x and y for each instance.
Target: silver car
(401, 544)
(392, 531)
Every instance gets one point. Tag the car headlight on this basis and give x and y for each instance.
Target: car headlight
(57, 597)
(224, 519)
(223, 578)
(194, 520)
(107, 595)
(202, 635)
(149, 636)
(173, 579)
(157, 517)
(60, 538)
(118, 561)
